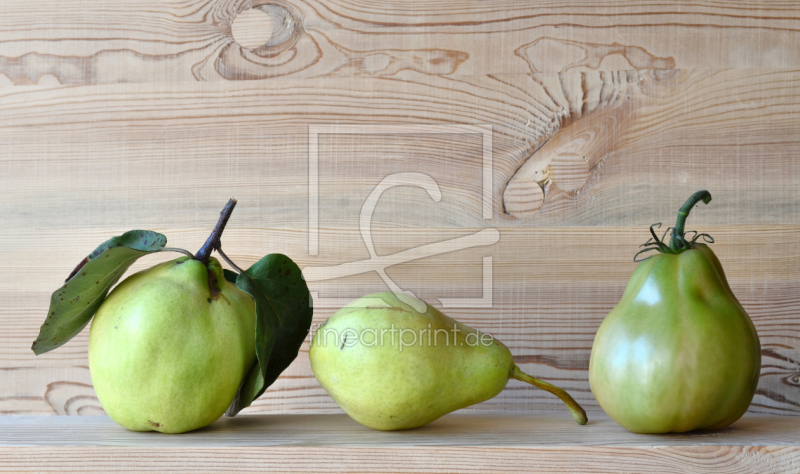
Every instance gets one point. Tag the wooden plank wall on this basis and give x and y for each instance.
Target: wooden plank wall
(602, 116)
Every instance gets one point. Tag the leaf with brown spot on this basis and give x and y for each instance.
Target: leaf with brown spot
(95, 279)
(283, 319)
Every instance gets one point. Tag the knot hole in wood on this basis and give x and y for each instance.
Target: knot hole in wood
(263, 26)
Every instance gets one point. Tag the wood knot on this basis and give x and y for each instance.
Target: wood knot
(252, 28)
(266, 25)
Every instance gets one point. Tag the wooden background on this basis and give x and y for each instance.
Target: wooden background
(605, 117)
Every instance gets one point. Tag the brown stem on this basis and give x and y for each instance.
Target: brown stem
(213, 241)
(230, 262)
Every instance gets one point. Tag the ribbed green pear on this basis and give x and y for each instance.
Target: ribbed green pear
(392, 367)
(170, 346)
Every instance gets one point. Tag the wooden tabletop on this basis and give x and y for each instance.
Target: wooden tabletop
(543, 443)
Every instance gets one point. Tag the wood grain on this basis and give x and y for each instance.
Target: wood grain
(99, 135)
(688, 460)
(325, 443)
(604, 118)
(192, 40)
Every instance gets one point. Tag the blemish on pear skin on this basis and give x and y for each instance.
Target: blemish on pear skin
(153, 424)
(343, 342)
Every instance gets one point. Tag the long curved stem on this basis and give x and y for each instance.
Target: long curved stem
(230, 262)
(577, 411)
(175, 249)
(683, 213)
(213, 241)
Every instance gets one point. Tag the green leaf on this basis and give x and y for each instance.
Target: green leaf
(283, 319)
(230, 275)
(73, 305)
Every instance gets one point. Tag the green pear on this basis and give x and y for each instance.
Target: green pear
(393, 362)
(170, 346)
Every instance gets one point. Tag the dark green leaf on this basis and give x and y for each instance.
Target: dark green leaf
(283, 319)
(73, 305)
(230, 275)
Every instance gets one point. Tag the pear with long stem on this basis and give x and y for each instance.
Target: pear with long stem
(392, 367)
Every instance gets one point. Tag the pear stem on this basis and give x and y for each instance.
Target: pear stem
(213, 241)
(678, 242)
(577, 411)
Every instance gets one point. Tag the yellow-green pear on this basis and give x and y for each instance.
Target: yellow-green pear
(170, 346)
(393, 362)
